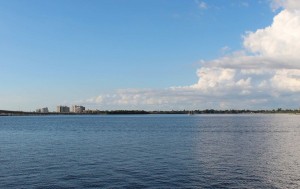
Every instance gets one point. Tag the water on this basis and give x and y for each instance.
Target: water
(152, 151)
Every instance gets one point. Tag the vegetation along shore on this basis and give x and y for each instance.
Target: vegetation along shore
(123, 112)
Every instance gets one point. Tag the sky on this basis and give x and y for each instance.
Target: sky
(150, 54)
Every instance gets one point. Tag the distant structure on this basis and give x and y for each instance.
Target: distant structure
(92, 111)
(78, 109)
(63, 109)
(42, 110)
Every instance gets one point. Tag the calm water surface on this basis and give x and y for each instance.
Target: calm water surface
(152, 151)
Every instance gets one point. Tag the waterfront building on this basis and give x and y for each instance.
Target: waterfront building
(78, 109)
(42, 110)
(63, 109)
(45, 110)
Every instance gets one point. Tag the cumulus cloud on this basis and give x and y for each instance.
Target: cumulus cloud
(170, 98)
(174, 98)
(286, 80)
(269, 64)
(287, 4)
(280, 40)
(266, 72)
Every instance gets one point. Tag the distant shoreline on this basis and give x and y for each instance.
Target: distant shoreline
(143, 112)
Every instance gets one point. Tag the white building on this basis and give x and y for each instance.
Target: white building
(78, 109)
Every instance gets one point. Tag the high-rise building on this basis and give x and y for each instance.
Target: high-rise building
(63, 109)
(44, 110)
(78, 109)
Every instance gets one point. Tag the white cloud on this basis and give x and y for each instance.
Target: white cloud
(287, 4)
(280, 40)
(225, 50)
(214, 79)
(265, 72)
(286, 80)
(201, 4)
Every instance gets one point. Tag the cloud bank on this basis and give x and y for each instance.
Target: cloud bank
(264, 74)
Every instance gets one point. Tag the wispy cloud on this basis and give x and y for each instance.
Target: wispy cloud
(201, 5)
(245, 4)
(240, 3)
(225, 50)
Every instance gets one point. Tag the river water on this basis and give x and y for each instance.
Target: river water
(150, 151)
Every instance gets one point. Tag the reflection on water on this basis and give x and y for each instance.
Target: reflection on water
(153, 151)
(252, 151)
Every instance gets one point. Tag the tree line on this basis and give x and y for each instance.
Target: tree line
(114, 112)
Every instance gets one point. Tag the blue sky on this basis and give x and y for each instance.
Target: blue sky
(70, 51)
